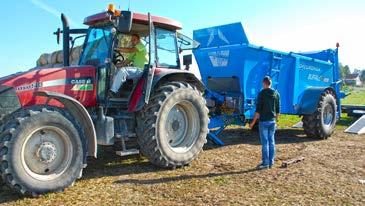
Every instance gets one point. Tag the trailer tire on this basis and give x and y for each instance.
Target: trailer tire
(32, 145)
(173, 127)
(322, 123)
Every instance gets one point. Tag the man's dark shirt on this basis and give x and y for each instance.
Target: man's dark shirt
(268, 104)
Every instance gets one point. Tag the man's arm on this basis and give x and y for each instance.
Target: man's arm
(127, 50)
(259, 106)
(256, 117)
(277, 105)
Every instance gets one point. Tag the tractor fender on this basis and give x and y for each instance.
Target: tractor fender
(309, 99)
(177, 75)
(162, 76)
(79, 112)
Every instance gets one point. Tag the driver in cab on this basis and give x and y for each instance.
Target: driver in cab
(136, 56)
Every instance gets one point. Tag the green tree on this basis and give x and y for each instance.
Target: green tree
(344, 71)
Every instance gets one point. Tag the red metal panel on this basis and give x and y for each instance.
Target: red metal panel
(69, 81)
(137, 18)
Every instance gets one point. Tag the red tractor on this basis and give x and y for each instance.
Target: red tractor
(52, 119)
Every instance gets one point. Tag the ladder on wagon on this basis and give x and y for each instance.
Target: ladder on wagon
(274, 72)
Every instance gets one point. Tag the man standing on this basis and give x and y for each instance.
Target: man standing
(267, 112)
(137, 56)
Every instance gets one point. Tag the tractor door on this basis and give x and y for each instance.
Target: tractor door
(97, 53)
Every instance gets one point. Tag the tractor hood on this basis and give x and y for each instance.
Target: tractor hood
(35, 75)
(77, 82)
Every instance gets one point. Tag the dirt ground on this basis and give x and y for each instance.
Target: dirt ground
(331, 174)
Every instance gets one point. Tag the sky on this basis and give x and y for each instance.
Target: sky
(286, 25)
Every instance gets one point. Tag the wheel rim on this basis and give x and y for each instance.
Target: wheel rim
(328, 115)
(182, 121)
(47, 153)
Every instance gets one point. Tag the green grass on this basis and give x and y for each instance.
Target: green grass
(287, 121)
(357, 97)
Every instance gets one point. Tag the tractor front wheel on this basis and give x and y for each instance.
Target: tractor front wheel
(322, 123)
(173, 127)
(40, 151)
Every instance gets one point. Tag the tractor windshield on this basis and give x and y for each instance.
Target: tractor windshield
(97, 48)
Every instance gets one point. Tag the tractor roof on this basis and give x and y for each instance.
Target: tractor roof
(137, 18)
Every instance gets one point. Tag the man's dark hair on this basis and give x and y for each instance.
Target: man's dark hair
(267, 80)
(137, 35)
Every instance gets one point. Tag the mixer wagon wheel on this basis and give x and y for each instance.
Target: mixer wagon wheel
(173, 127)
(40, 150)
(322, 123)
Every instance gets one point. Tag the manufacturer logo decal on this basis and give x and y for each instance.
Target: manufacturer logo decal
(79, 84)
(219, 58)
(82, 84)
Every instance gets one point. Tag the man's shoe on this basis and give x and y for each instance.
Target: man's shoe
(262, 167)
(113, 94)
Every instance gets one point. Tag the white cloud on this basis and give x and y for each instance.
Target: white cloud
(41, 5)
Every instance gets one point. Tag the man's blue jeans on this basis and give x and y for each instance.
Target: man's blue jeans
(267, 138)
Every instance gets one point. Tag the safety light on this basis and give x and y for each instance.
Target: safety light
(113, 11)
(111, 8)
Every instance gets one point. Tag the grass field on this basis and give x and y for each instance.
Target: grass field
(357, 97)
(329, 175)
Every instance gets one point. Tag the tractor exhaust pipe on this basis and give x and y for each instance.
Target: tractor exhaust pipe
(66, 40)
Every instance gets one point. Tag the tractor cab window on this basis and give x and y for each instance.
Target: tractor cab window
(167, 48)
(97, 46)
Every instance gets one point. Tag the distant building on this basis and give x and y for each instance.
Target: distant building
(353, 80)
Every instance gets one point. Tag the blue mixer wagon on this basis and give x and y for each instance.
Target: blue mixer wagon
(232, 70)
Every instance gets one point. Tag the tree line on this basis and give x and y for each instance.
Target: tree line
(345, 70)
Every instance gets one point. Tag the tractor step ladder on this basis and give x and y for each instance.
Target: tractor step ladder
(125, 151)
(129, 152)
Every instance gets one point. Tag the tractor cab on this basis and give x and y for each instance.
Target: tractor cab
(114, 29)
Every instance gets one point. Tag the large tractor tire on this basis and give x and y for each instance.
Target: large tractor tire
(173, 127)
(322, 123)
(40, 151)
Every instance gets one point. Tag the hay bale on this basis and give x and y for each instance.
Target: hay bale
(42, 60)
(60, 57)
(76, 52)
(53, 58)
(74, 62)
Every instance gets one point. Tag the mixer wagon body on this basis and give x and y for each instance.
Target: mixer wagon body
(232, 70)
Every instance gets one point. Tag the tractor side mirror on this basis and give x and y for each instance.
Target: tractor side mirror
(58, 34)
(125, 22)
(187, 61)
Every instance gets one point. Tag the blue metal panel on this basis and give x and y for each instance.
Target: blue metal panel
(221, 35)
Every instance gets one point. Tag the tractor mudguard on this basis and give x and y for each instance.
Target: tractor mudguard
(161, 76)
(80, 113)
(309, 99)
(9, 101)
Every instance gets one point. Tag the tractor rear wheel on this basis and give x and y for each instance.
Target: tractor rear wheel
(322, 123)
(40, 151)
(173, 127)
